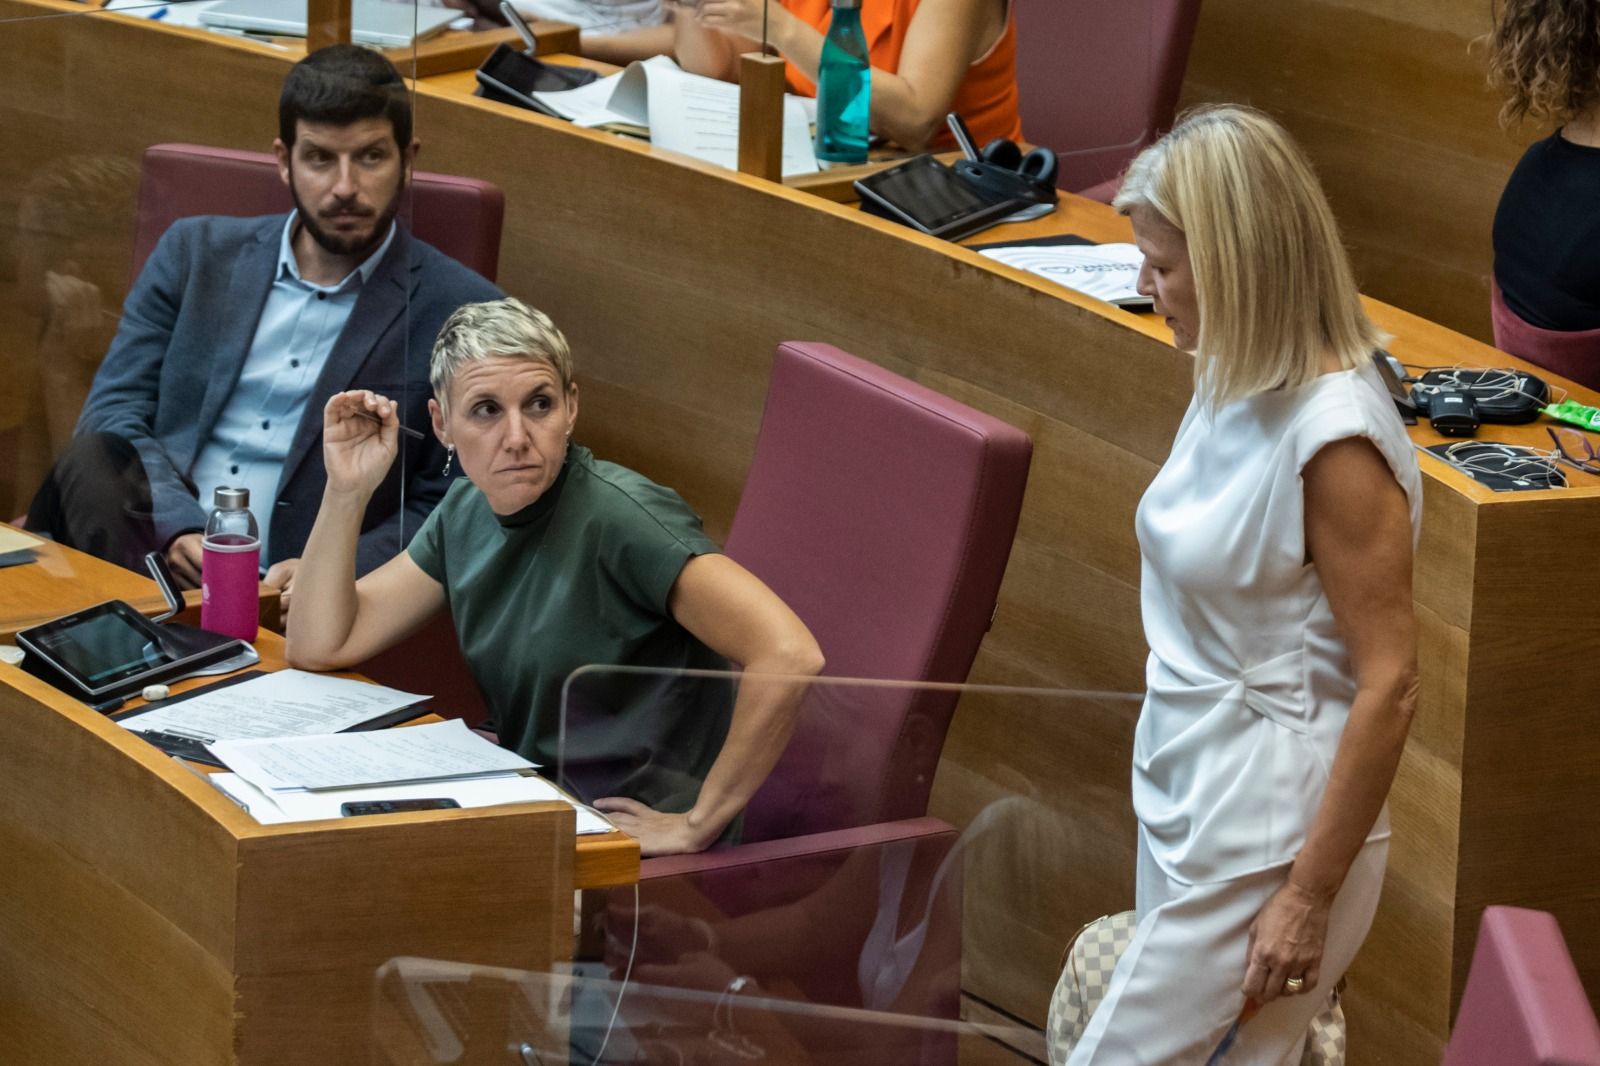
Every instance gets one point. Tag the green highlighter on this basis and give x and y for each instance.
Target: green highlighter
(1576, 413)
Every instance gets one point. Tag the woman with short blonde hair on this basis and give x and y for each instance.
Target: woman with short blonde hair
(549, 560)
(1276, 595)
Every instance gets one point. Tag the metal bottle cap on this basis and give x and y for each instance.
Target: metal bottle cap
(231, 499)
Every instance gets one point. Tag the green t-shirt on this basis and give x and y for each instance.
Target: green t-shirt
(581, 576)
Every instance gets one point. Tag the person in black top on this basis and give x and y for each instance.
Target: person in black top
(1546, 58)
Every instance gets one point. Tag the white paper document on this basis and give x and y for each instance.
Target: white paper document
(587, 105)
(285, 703)
(302, 806)
(1108, 272)
(180, 13)
(442, 751)
(684, 112)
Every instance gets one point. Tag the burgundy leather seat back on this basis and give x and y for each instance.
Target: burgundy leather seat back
(459, 216)
(883, 513)
(1524, 1004)
(1575, 356)
(1099, 80)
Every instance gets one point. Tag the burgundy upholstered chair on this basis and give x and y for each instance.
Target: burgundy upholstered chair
(883, 513)
(1099, 81)
(1575, 356)
(1523, 1004)
(461, 217)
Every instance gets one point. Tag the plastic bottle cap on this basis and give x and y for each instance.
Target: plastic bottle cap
(156, 692)
(231, 499)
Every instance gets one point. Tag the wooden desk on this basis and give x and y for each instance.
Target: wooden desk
(60, 581)
(673, 280)
(149, 921)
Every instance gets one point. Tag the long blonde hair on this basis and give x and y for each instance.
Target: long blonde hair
(1272, 280)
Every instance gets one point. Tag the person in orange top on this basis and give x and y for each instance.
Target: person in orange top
(929, 57)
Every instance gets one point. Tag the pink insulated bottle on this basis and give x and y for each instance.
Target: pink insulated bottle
(230, 566)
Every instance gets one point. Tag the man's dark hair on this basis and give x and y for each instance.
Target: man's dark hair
(341, 84)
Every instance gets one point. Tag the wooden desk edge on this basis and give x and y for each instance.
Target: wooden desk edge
(600, 861)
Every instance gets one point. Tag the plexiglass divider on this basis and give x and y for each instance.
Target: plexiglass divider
(868, 889)
(217, 375)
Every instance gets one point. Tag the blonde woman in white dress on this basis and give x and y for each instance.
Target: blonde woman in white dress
(1277, 544)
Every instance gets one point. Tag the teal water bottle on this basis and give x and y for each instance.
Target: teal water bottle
(844, 87)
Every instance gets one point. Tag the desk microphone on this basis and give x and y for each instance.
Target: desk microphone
(514, 20)
(962, 135)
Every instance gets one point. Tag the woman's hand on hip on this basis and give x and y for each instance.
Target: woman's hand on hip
(360, 434)
(657, 833)
(1286, 943)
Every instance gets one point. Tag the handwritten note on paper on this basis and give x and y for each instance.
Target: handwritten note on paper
(345, 760)
(286, 703)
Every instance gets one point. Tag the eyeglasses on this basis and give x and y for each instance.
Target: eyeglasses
(1573, 446)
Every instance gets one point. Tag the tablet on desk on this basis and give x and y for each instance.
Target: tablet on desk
(927, 195)
(111, 649)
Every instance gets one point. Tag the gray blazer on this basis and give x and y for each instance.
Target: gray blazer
(186, 328)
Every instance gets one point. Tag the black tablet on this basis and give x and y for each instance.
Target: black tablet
(511, 77)
(111, 649)
(928, 195)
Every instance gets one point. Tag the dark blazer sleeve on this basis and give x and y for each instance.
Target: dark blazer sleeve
(123, 398)
(442, 286)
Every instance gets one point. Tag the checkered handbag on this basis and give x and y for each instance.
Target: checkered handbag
(1086, 969)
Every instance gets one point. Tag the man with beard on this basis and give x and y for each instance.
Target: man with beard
(239, 330)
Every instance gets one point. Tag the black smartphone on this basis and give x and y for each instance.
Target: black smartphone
(357, 807)
(509, 76)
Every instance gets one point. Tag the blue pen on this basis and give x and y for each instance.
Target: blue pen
(159, 13)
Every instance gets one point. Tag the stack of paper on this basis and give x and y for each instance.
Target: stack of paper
(286, 703)
(684, 112)
(283, 779)
(1108, 272)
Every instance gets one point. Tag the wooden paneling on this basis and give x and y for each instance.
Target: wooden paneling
(1391, 102)
(62, 581)
(674, 281)
(318, 917)
(148, 920)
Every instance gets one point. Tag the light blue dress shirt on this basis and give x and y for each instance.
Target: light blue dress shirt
(299, 325)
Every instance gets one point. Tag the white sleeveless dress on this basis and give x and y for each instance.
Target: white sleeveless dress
(1249, 688)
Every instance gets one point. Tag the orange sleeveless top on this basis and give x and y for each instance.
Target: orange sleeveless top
(987, 99)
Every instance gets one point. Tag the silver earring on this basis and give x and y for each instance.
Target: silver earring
(449, 457)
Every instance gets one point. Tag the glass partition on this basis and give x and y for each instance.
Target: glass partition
(214, 360)
(902, 883)
(429, 1011)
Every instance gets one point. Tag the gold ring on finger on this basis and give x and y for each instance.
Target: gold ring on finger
(1294, 985)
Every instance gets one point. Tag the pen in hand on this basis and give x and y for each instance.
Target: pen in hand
(407, 430)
